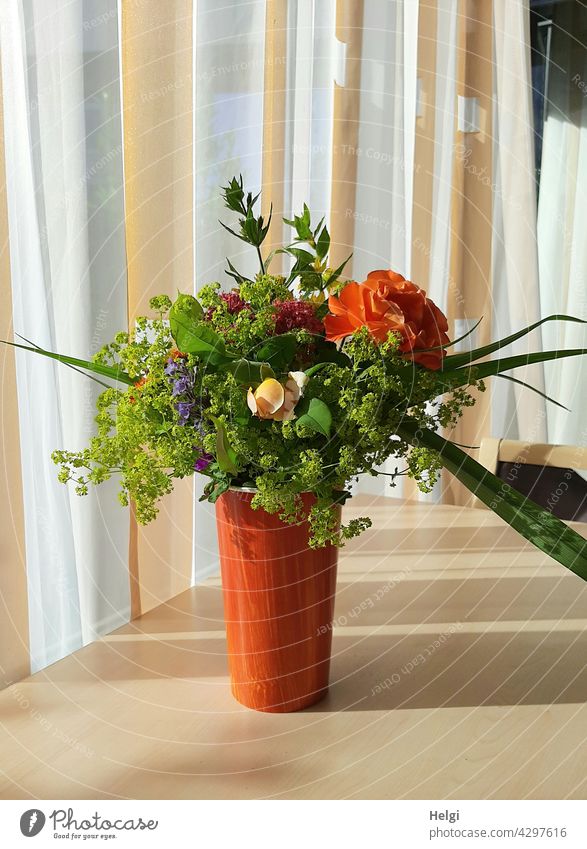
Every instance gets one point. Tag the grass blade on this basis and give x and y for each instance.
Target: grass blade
(534, 523)
(86, 365)
(456, 360)
(479, 371)
(533, 389)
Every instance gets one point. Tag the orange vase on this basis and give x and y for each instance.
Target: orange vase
(278, 605)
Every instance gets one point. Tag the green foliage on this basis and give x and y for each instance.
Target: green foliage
(186, 408)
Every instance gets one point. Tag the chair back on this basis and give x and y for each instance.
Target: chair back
(545, 473)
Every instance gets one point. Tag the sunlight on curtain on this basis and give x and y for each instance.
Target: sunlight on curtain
(517, 413)
(385, 151)
(64, 187)
(228, 139)
(562, 213)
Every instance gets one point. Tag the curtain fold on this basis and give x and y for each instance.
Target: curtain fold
(562, 212)
(517, 413)
(356, 107)
(274, 118)
(156, 45)
(14, 624)
(65, 296)
(470, 290)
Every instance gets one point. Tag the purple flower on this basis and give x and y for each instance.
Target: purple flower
(203, 462)
(184, 408)
(171, 368)
(181, 386)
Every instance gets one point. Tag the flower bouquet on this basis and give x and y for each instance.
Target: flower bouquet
(281, 392)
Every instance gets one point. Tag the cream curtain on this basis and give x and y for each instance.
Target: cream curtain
(156, 59)
(14, 620)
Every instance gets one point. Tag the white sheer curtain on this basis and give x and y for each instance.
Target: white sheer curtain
(385, 152)
(229, 49)
(64, 165)
(517, 413)
(562, 213)
(64, 186)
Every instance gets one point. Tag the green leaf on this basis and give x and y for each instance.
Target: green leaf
(533, 389)
(451, 342)
(225, 453)
(106, 371)
(318, 367)
(185, 308)
(278, 351)
(248, 372)
(185, 322)
(201, 340)
(316, 416)
(318, 228)
(337, 271)
(233, 194)
(323, 244)
(213, 490)
(534, 523)
(232, 232)
(479, 371)
(303, 258)
(301, 223)
(327, 352)
(235, 274)
(456, 360)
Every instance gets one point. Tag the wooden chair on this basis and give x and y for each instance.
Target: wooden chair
(544, 473)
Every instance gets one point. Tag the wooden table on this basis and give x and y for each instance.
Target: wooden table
(459, 671)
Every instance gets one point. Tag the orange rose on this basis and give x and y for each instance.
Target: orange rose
(386, 301)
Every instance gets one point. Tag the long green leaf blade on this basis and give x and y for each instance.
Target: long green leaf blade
(479, 371)
(534, 523)
(88, 365)
(533, 389)
(456, 360)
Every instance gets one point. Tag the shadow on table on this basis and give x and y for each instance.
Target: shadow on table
(457, 669)
(516, 640)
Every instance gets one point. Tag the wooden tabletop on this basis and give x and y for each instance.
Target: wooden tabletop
(458, 671)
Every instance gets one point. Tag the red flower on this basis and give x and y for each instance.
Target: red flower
(387, 301)
(296, 315)
(234, 304)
